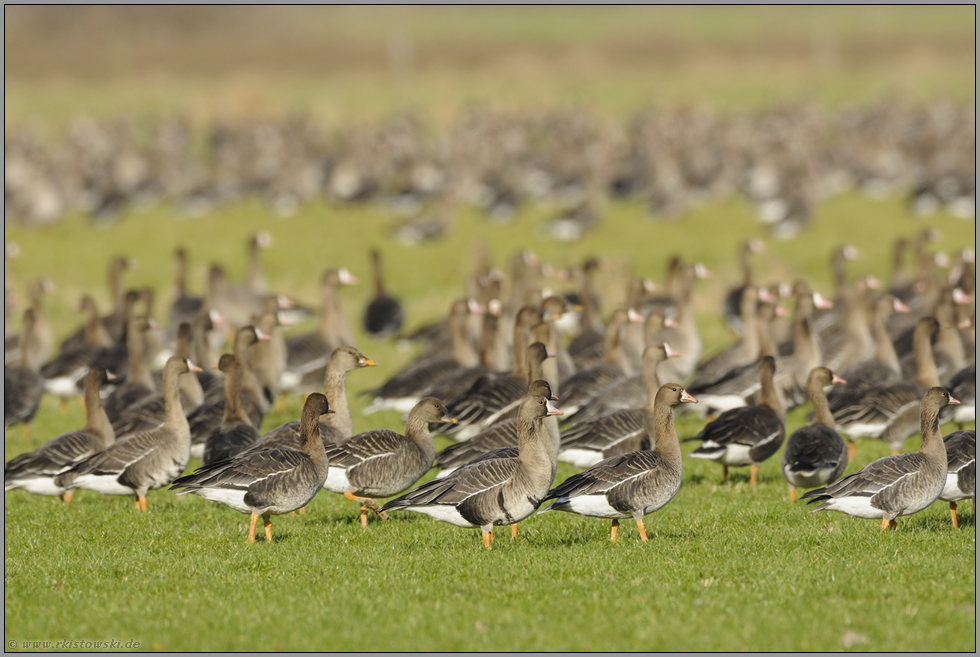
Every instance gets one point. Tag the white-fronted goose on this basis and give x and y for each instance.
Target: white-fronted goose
(732, 307)
(63, 372)
(184, 306)
(848, 342)
(381, 462)
(961, 470)
(383, 315)
(963, 386)
(743, 352)
(621, 431)
(138, 383)
(682, 332)
(634, 484)
(815, 455)
(35, 471)
(499, 491)
(747, 435)
(143, 461)
(236, 433)
(23, 385)
(268, 357)
(268, 482)
(42, 338)
(897, 485)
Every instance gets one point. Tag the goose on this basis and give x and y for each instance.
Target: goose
(682, 331)
(961, 470)
(308, 353)
(896, 485)
(732, 308)
(23, 385)
(268, 357)
(496, 491)
(381, 462)
(236, 431)
(587, 443)
(889, 412)
(138, 384)
(748, 435)
(269, 482)
(42, 338)
(35, 471)
(848, 342)
(63, 372)
(338, 426)
(815, 455)
(208, 415)
(634, 484)
(142, 461)
(384, 315)
(184, 307)
(115, 322)
(963, 386)
(743, 352)
(207, 323)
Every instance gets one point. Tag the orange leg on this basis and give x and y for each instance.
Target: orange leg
(66, 496)
(281, 403)
(792, 493)
(888, 524)
(267, 524)
(952, 512)
(63, 405)
(251, 528)
(851, 449)
(486, 540)
(894, 451)
(753, 472)
(367, 504)
(27, 431)
(513, 532)
(643, 529)
(364, 516)
(143, 503)
(614, 530)
(302, 510)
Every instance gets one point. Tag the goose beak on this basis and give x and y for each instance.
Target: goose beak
(476, 307)
(577, 307)
(548, 353)
(941, 259)
(555, 317)
(960, 297)
(283, 320)
(214, 367)
(781, 312)
(366, 362)
(700, 271)
(838, 380)
(553, 411)
(686, 398)
(346, 278)
(821, 303)
(765, 296)
(756, 246)
(262, 336)
(285, 303)
(634, 316)
(553, 398)
(193, 368)
(965, 324)
(671, 322)
(151, 323)
(899, 307)
(670, 352)
(953, 401)
(216, 319)
(109, 376)
(448, 419)
(649, 286)
(873, 283)
(329, 410)
(850, 253)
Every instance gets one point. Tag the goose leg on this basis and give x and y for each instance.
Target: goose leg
(642, 528)
(267, 524)
(894, 451)
(63, 405)
(513, 531)
(251, 528)
(614, 530)
(281, 403)
(143, 503)
(888, 524)
(724, 477)
(753, 471)
(851, 449)
(952, 512)
(27, 431)
(792, 493)
(66, 496)
(487, 535)
(302, 510)
(367, 504)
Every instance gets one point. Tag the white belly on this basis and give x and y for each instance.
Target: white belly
(197, 450)
(580, 458)
(35, 486)
(808, 478)
(230, 497)
(951, 490)
(595, 506)
(733, 454)
(63, 386)
(443, 512)
(336, 480)
(105, 484)
(859, 507)
(399, 404)
(722, 403)
(965, 414)
(869, 430)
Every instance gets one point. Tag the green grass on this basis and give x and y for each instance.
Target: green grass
(727, 567)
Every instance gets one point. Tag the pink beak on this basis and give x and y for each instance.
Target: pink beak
(634, 316)
(670, 322)
(553, 411)
(837, 380)
(686, 398)
(262, 336)
(899, 307)
(953, 401)
(670, 352)
(821, 303)
(193, 368)
(476, 307)
(346, 278)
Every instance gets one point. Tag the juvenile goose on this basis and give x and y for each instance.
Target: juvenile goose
(381, 463)
(897, 485)
(267, 482)
(634, 484)
(23, 385)
(815, 455)
(585, 444)
(384, 315)
(747, 435)
(143, 461)
(236, 431)
(35, 471)
(961, 470)
(494, 491)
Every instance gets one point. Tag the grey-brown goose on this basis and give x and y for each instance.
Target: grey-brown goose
(897, 485)
(42, 338)
(117, 322)
(184, 306)
(381, 462)
(621, 431)
(383, 315)
(460, 379)
(743, 352)
(497, 491)
(889, 412)
(553, 308)
(961, 470)
(208, 415)
(848, 342)
(748, 435)
(35, 471)
(634, 484)
(143, 461)
(732, 307)
(308, 354)
(63, 372)
(23, 385)
(338, 426)
(268, 357)
(684, 336)
(267, 482)
(815, 455)
(138, 384)
(206, 324)
(236, 433)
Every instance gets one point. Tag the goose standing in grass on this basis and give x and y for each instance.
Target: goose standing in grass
(381, 462)
(35, 471)
(743, 352)
(23, 385)
(961, 470)
(267, 482)
(63, 372)
(815, 455)
(236, 431)
(896, 485)
(138, 383)
(495, 491)
(748, 435)
(143, 461)
(384, 315)
(634, 484)
(732, 308)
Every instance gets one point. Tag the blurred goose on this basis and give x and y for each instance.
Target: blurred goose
(496, 491)
(682, 332)
(42, 338)
(849, 342)
(184, 307)
(381, 463)
(268, 357)
(35, 471)
(23, 385)
(142, 461)
(961, 470)
(138, 384)
(634, 484)
(963, 386)
(236, 431)
(815, 455)
(732, 308)
(743, 352)
(585, 444)
(897, 485)
(63, 372)
(267, 482)
(384, 315)
(747, 435)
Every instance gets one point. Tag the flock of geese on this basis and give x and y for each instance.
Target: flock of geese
(521, 379)
(783, 159)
